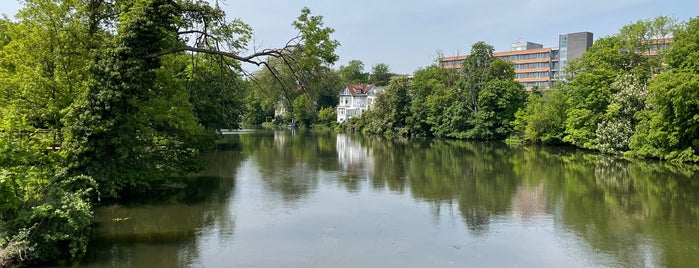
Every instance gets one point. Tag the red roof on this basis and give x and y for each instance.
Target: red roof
(355, 89)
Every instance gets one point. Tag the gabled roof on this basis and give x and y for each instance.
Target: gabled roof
(358, 89)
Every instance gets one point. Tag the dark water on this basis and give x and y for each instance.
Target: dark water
(293, 200)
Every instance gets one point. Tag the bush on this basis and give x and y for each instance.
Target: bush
(45, 215)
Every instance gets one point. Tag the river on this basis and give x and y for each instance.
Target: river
(289, 199)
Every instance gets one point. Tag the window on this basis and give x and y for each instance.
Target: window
(564, 41)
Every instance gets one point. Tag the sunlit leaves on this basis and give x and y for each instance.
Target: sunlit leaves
(316, 46)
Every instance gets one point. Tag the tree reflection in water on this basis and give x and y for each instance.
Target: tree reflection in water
(161, 229)
(607, 211)
(643, 213)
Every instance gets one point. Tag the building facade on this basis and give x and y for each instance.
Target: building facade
(536, 66)
(572, 46)
(355, 99)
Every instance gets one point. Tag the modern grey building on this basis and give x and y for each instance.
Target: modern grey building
(536, 66)
(572, 46)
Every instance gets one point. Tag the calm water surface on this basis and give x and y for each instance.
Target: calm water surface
(282, 199)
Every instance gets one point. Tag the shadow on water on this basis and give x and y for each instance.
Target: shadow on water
(161, 229)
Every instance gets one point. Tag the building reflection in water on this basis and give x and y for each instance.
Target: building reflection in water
(530, 202)
(354, 159)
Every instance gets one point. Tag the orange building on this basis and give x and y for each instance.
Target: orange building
(536, 66)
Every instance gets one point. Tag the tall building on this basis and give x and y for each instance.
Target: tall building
(572, 46)
(536, 66)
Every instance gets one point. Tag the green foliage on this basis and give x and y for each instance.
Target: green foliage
(44, 65)
(98, 97)
(317, 49)
(684, 53)
(255, 111)
(615, 130)
(499, 101)
(446, 113)
(427, 86)
(304, 110)
(283, 81)
(327, 86)
(590, 92)
(542, 119)
(215, 92)
(327, 119)
(436, 104)
(44, 60)
(134, 127)
(380, 74)
(476, 69)
(59, 220)
(670, 129)
(275, 85)
(46, 214)
(354, 73)
(648, 37)
(390, 112)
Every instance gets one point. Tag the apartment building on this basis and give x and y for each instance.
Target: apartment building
(536, 66)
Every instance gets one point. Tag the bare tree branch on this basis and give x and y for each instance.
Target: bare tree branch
(252, 58)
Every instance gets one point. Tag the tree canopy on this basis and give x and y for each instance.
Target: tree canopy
(124, 94)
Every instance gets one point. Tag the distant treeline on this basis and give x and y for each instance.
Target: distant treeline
(620, 97)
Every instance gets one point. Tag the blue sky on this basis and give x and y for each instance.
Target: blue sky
(406, 34)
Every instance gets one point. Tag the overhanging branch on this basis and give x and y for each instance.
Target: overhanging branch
(252, 58)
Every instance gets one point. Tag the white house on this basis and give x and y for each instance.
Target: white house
(355, 99)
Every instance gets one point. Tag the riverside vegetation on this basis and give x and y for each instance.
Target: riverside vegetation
(615, 99)
(102, 99)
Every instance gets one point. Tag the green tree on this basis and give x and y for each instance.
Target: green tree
(279, 84)
(446, 113)
(649, 37)
(427, 82)
(214, 92)
(542, 119)
(109, 84)
(354, 73)
(256, 111)
(328, 87)
(276, 85)
(669, 129)
(590, 91)
(44, 62)
(615, 130)
(609, 84)
(499, 101)
(304, 110)
(134, 126)
(475, 69)
(389, 115)
(44, 65)
(380, 74)
(45, 214)
(327, 118)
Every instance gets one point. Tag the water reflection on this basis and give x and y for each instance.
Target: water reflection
(289, 163)
(161, 230)
(642, 213)
(304, 199)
